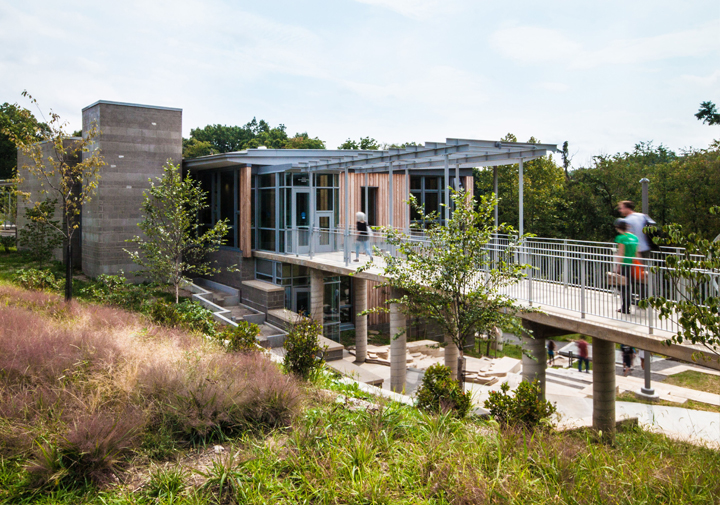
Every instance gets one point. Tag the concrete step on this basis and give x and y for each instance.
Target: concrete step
(349, 369)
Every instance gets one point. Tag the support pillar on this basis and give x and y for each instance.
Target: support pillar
(317, 293)
(603, 359)
(360, 301)
(398, 349)
(534, 360)
(647, 390)
(521, 197)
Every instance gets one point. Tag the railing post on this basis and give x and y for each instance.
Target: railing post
(529, 276)
(650, 311)
(566, 266)
(582, 285)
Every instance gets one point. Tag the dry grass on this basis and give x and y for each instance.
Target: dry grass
(82, 387)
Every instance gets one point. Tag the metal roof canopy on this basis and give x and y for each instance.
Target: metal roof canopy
(461, 153)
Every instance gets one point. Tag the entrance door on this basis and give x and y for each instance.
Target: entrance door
(301, 301)
(325, 225)
(301, 221)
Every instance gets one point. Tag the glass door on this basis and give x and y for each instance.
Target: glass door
(301, 220)
(325, 225)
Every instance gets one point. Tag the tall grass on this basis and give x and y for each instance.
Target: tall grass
(84, 387)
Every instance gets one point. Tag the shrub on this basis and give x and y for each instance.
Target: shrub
(34, 279)
(116, 290)
(240, 338)
(439, 392)
(224, 395)
(40, 235)
(90, 450)
(7, 241)
(188, 315)
(302, 349)
(526, 408)
(166, 485)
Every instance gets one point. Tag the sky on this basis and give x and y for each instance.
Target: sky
(602, 75)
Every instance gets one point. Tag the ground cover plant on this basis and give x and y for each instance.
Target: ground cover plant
(84, 389)
(109, 394)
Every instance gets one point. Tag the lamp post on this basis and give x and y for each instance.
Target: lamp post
(647, 390)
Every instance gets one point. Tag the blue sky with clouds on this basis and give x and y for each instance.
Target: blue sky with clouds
(602, 75)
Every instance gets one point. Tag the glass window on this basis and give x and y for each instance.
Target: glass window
(227, 205)
(267, 208)
(415, 182)
(432, 203)
(324, 199)
(267, 181)
(267, 240)
(301, 180)
(431, 183)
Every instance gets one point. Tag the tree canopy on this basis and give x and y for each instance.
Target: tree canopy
(708, 113)
(215, 139)
(365, 143)
(15, 122)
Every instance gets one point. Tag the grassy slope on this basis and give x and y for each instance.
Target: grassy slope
(393, 454)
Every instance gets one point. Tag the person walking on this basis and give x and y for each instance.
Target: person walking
(584, 355)
(628, 354)
(551, 353)
(363, 230)
(627, 249)
(637, 222)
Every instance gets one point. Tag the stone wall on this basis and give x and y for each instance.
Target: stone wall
(135, 142)
(263, 296)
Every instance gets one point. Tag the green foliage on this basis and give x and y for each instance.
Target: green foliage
(117, 291)
(708, 113)
(302, 349)
(240, 338)
(525, 408)
(15, 121)
(188, 315)
(439, 392)
(7, 242)
(40, 235)
(36, 279)
(454, 277)
(693, 273)
(365, 143)
(174, 245)
(166, 485)
(194, 148)
(224, 139)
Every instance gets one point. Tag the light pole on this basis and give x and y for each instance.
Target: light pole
(647, 390)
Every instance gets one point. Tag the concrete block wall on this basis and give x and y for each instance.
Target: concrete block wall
(225, 258)
(263, 296)
(135, 142)
(32, 185)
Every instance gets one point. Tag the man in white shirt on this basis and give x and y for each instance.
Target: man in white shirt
(636, 222)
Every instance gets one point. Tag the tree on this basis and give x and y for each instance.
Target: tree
(173, 246)
(69, 175)
(365, 143)
(455, 277)
(15, 122)
(708, 113)
(41, 235)
(194, 148)
(693, 275)
(217, 138)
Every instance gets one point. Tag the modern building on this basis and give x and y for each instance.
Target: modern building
(291, 212)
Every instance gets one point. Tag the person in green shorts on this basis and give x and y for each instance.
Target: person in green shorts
(627, 250)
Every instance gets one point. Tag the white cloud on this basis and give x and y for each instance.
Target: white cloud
(530, 44)
(558, 87)
(706, 81)
(417, 9)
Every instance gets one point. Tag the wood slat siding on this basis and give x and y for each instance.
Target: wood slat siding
(244, 217)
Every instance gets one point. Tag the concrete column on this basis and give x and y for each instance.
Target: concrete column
(398, 350)
(452, 353)
(317, 293)
(534, 365)
(360, 301)
(603, 360)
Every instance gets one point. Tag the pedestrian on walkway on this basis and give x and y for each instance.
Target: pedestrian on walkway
(627, 250)
(637, 223)
(363, 235)
(642, 355)
(584, 356)
(628, 354)
(551, 353)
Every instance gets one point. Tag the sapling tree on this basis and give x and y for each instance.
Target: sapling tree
(40, 235)
(694, 277)
(67, 170)
(173, 245)
(457, 276)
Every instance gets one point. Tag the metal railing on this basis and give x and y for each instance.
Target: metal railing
(581, 277)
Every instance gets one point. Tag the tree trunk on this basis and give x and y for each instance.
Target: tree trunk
(68, 271)
(177, 294)
(451, 355)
